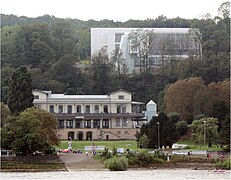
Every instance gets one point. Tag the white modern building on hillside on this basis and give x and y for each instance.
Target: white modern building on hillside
(95, 117)
(179, 43)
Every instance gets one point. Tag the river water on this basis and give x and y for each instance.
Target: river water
(177, 174)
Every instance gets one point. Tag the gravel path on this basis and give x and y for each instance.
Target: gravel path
(81, 161)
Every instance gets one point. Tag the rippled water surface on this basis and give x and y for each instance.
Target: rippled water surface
(121, 175)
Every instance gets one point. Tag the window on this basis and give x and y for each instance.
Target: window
(118, 37)
(36, 97)
(126, 132)
(118, 122)
(78, 110)
(96, 109)
(52, 109)
(61, 123)
(87, 108)
(78, 124)
(96, 123)
(118, 132)
(123, 109)
(105, 123)
(60, 108)
(121, 97)
(69, 123)
(87, 123)
(125, 122)
(118, 109)
(105, 108)
(69, 109)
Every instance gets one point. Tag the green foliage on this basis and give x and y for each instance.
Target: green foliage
(143, 141)
(20, 94)
(205, 129)
(224, 164)
(33, 130)
(182, 128)
(117, 164)
(167, 131)
(144, 159)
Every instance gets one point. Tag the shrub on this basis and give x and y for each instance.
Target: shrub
(224, 165)
(117, 164)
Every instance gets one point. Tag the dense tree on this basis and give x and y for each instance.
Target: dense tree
(20, 94)
(33, 130)
(187, 97)
(205, 129)
(167, 131)
(101, 72)
(182, 128)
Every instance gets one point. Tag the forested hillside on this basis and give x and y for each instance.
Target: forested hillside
(51, 48)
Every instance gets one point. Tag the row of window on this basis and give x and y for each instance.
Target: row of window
(120, 109)
(88, 123)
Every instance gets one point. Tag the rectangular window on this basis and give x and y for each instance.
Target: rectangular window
(60, 108)
(118, 109)
(87, 123)
(118, 122)
(69, 109)
(69, 123)
(118, 37)
(78, 124)
(87, 108)
(125, 122)
(121, 97)
(36, 97)
(52, 109)
(61, 124)
(96, 109)
(123, 109)
(106, 123)
(78, 110)
(105, 108)
(118, 132)
(96, 123)
(125, 132)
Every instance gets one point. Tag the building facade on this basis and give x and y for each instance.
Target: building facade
(94, 117)
(166, 44)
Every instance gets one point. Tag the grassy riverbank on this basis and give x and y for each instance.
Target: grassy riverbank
(32, 163)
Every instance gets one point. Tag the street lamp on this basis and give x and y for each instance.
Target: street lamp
(204, 132)
(158, 135)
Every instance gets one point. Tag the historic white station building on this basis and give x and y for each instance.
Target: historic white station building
(96, 117)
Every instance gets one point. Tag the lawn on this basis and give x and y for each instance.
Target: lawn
(199, 147)
(127, 145)
(108, 144)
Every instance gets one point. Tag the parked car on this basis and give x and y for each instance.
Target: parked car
(65, 151)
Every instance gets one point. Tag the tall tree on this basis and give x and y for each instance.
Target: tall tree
(20, 95)
(167, 131)
(141, 44)
(101, 71)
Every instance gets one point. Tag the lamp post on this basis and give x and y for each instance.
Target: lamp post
(158, 135)
(204, 132)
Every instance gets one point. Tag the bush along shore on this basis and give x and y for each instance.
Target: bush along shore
(136, 160)
(32, 163)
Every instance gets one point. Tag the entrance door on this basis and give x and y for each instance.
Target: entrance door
(107, 137)
(80, 136)
(71, 135)
(89, 136)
